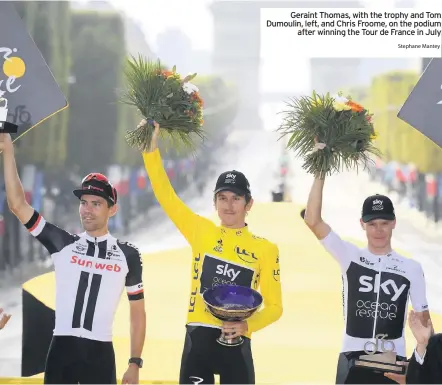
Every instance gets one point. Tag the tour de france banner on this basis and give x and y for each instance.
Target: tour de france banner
(423, 107)
(26, 82)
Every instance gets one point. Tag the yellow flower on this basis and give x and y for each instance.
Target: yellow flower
(374, 136)
(317, 102)
(341, 106)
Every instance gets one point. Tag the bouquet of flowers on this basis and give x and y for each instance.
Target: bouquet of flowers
(330, 132)
(163, 96)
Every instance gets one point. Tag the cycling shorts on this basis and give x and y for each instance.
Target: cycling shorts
(203, 357)
(73, 360)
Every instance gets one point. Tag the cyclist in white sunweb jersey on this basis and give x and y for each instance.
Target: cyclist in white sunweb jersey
(91, 271)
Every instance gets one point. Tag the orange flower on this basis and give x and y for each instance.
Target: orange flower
(167, 73)
(355, 106)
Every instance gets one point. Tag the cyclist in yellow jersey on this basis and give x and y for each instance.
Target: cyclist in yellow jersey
(226, 254)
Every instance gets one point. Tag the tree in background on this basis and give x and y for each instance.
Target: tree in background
(98, 52)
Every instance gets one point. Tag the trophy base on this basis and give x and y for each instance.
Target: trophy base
(380, 363)
(230, 342)
(8, 128)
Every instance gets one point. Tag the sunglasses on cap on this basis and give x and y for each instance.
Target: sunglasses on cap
(96, 176)
(100, 178)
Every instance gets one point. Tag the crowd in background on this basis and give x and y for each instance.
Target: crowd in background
(419, 190)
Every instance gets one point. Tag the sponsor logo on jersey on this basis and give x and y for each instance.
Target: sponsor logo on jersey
(389, 287)
(244, 255)
(219, 247)
(217, 271)
(276, 275)
(95, 265)
(373, 309)
(113, 253)
(195, 283)
(395, 268)
(113, 256)
(80, 249)
(227, 271)
(366, 261)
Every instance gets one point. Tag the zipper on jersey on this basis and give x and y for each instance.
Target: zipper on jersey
(96, 243)
(377, 298)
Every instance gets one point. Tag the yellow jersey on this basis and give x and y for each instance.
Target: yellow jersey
(220, 255)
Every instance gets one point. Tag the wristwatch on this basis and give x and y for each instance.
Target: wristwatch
(136, 361)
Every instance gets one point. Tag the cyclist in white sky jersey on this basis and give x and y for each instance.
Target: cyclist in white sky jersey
(377, 283)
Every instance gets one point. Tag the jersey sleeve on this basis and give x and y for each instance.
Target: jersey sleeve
(270, 288)
(343, 252)
(134, 277)
(50, 236)
(187, 222)
(418, 290)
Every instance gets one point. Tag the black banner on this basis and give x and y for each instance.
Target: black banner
(423, 107)
(26, 82)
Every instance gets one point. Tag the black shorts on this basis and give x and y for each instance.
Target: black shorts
(348, 374)
(203, 357)
(73, 360)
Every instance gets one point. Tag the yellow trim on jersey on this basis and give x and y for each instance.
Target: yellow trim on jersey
(220, 254)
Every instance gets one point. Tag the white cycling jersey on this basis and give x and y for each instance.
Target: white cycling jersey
(376, 290)
(90, 275)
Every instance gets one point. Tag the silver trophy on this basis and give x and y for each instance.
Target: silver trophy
(383, 362)
(5, 126)
(232, 303)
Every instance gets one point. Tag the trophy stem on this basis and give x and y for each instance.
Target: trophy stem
(226, 341)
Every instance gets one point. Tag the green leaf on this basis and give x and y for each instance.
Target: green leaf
(346, 134)
(162, 100)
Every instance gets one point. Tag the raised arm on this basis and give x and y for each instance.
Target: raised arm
(342, 251)
(187, 222)
(313, 216)
(50, 236)
(15, 195)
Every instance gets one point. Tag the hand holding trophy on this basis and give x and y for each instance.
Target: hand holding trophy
(5, 126)
(163, 97)
(330, 133)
